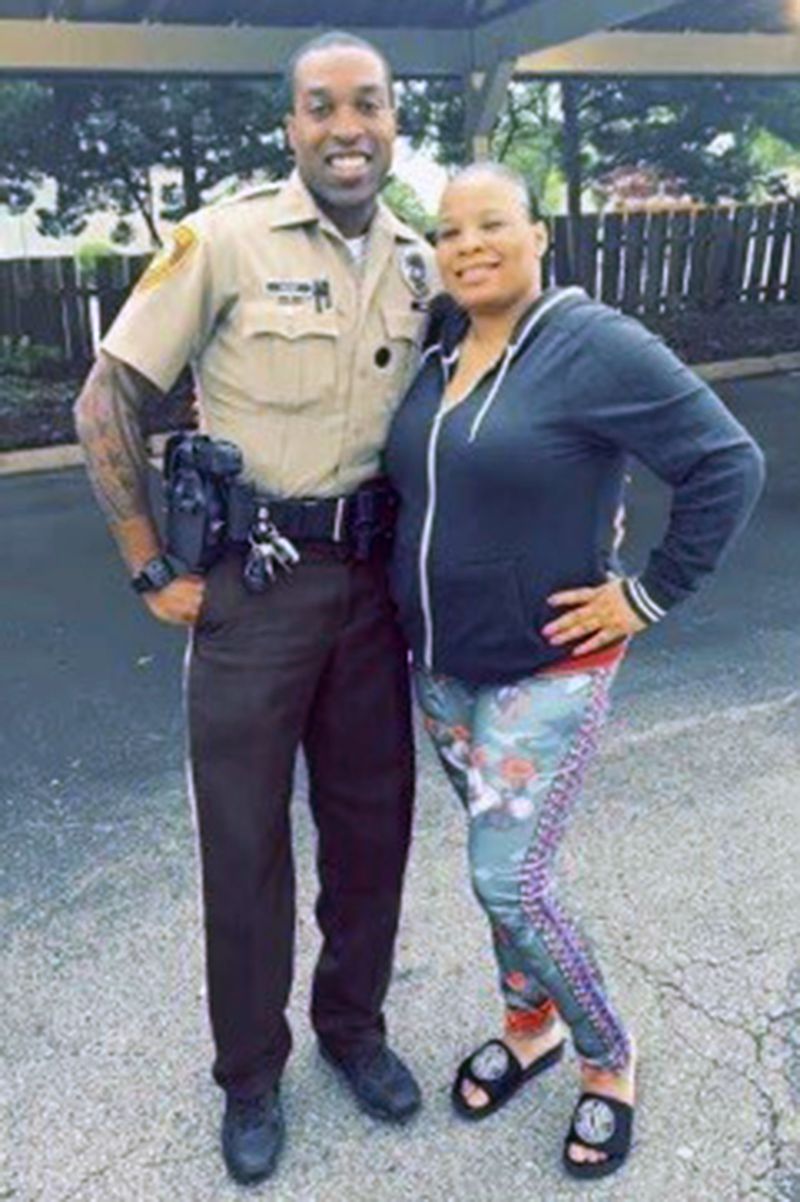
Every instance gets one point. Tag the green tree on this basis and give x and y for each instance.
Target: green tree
(25, 111)
(776, 148)
(431, 115)
(527, 137)
(696, 131)
(406, 204)
(99, 142)
(703, 133)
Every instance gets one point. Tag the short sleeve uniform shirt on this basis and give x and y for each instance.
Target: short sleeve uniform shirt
(300, 351)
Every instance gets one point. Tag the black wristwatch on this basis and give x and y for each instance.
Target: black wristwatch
(156, 574)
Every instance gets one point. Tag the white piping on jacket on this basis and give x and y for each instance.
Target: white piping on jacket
(512, 349)
(640, 594)
(425, 542)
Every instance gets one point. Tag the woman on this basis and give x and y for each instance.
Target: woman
(509, 453)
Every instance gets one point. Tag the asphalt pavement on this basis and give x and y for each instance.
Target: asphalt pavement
(683, 862)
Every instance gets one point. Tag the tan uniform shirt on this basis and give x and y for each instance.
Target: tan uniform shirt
(300, 354)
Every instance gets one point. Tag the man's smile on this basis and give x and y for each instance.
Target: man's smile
(348, 164)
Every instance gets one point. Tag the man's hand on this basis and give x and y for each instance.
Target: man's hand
(179, 603)
(602, 613)
(190, 412)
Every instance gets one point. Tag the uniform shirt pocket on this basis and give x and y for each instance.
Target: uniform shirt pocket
(396, 361)
(290, 353)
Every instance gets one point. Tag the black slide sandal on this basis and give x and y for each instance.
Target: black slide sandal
(601, 1124)
(495, 1069)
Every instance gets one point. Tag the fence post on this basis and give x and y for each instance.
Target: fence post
(654, 262)
(633, 252)
(793, 278)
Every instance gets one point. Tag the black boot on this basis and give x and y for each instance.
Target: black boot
(383, 1086)
(252, 1136)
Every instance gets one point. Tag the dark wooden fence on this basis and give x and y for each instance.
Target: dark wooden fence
(53, 302)
(651, 263)
(643, 263)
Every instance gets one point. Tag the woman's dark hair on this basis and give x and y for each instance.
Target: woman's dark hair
(507, 175)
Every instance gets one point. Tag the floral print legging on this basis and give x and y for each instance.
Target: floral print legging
(516, 755)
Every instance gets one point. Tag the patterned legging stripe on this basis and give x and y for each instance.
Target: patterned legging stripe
(573, 960)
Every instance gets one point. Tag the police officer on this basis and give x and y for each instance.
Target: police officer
(300, 308)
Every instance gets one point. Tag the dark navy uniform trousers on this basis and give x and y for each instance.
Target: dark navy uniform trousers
(316, 661)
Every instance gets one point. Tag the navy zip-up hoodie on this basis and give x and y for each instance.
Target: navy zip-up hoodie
(514, 493)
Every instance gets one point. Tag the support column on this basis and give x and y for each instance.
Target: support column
(485, 96)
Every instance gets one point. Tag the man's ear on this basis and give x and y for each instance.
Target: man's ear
(289, 123)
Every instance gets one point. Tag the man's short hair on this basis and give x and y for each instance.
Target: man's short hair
(329, 41)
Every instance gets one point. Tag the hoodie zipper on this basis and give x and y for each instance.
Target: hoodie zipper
(425, 542)
(541, 311)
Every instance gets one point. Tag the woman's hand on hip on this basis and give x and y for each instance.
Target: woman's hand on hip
(599, 616)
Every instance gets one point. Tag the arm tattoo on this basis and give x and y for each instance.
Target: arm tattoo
(109, 416)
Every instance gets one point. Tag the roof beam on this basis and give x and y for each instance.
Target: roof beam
(551, 22)
(756, 54)
(486, 92)
(85, 47)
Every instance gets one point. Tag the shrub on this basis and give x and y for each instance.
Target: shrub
(90, 255)
(21, 357)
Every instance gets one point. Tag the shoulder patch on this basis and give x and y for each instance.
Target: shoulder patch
(173, 256)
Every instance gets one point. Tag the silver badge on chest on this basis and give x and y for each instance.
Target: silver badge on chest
(414, 271)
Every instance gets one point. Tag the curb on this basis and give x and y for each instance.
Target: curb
(742, 369)
(53, 459)
(50, 459)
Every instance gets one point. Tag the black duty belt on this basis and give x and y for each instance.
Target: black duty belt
(355, 521)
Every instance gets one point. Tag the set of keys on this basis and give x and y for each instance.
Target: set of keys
(269, 551)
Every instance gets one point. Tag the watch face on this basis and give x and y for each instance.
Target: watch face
(160, 574)
(155, 575)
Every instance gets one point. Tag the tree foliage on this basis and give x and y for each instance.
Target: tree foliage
(528, 137)
(703, 134)
(404, 202)
(431, 115)
(697, 132)
(99, 141)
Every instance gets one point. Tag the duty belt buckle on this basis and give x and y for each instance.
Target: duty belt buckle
(269, 550)
(339, 531)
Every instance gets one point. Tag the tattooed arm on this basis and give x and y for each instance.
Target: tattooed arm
(109, 420)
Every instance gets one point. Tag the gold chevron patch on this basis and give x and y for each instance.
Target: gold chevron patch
(167, 261)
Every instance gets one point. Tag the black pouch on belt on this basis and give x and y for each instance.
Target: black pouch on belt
(198, 474)
(370, 521)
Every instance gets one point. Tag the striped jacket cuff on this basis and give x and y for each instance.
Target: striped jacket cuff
(641, 602)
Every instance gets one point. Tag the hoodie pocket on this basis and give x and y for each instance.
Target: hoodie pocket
(481, 622)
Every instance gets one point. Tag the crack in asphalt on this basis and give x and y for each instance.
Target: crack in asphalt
(772, 1117)
(96, 1174)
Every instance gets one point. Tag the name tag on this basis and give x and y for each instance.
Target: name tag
(300, 292)
(290, 292)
